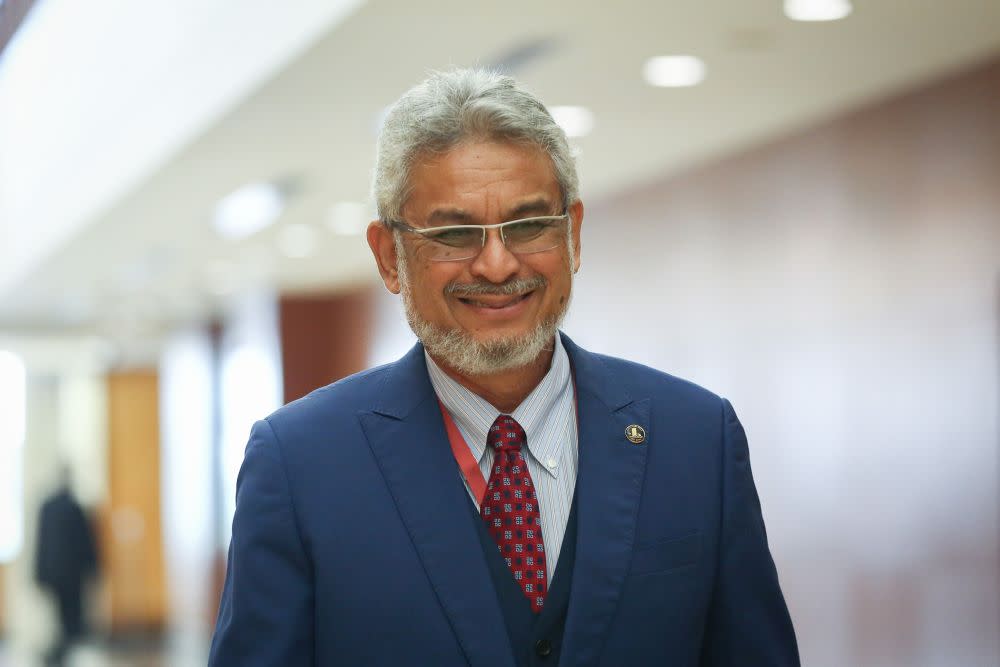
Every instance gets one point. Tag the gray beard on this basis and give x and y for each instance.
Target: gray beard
(459, 349)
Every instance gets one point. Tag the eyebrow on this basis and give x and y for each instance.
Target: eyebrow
(540, 206)
(450, 216)
(457, 216)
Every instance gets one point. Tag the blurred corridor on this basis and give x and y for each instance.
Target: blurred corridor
(811, 225)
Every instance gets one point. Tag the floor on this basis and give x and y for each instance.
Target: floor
(104, 655)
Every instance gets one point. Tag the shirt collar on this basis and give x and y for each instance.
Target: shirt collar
(474, 415)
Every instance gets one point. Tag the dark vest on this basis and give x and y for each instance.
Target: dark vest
(535, 638)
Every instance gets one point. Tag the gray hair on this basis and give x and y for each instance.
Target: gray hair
(450, 107)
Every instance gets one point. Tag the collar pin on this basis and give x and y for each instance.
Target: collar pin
(635, 434)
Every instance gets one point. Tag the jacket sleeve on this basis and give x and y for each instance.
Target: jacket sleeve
(748, 623)
(266, 613)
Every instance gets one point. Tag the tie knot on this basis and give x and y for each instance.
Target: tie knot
(506, 433)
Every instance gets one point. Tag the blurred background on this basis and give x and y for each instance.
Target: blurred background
(795, 204)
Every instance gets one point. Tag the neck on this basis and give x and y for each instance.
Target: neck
(507, 389)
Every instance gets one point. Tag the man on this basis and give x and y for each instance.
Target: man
(65, 558)
(499, 496)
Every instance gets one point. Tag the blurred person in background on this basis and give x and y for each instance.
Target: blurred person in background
(66, 559)
(499, 496)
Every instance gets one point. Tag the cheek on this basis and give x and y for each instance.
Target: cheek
(428, 282)
(561, 284)
(560, 277)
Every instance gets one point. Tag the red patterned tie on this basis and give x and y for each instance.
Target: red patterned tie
(510, 511)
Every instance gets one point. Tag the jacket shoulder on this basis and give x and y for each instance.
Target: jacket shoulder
(642, 380)
(339, 399)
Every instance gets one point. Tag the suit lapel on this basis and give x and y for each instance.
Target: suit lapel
(609, 485)
(407, 437)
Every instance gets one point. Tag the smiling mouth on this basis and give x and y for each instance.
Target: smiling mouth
(495, 301)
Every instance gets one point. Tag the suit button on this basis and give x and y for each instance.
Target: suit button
(543, 647)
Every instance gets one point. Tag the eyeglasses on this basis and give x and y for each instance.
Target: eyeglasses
(454, 243)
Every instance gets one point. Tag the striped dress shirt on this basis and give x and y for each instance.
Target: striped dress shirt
(548, 417)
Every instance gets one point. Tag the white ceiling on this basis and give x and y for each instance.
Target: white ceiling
(151, 260)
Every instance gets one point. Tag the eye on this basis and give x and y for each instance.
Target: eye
(526, 230)
(457, 237)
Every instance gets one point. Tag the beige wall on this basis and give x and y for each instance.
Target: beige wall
(841, 287)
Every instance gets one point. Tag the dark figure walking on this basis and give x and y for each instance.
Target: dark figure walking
(66, 558)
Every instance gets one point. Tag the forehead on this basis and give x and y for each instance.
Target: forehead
(481, 178)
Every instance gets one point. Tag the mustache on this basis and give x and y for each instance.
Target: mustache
(516, 286)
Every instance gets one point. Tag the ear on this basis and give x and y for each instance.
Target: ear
(380, 240)
(576, 219)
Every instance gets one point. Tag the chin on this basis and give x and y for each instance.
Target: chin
(472, 355)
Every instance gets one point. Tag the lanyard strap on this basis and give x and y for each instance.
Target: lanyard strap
(463, 456)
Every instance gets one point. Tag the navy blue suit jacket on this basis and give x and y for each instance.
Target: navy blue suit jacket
(352, 543)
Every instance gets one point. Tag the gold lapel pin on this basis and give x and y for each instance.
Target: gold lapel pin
(635, 434)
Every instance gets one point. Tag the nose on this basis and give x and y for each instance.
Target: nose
(495, 262)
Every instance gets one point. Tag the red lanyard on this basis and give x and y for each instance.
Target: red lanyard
(463, 455)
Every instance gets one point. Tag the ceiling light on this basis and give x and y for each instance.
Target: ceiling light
(248, 210)
(297, 240)
(674, 71)
(348, 218)
(575, 121)
(817, 10)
